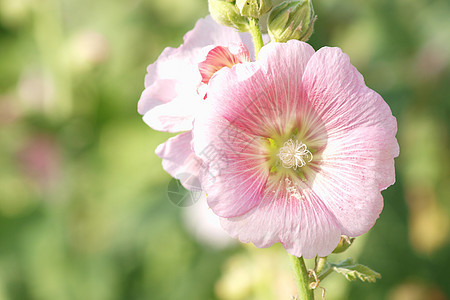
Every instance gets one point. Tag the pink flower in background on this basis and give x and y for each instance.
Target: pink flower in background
(41, 160)
(297, 149)
(175, 88)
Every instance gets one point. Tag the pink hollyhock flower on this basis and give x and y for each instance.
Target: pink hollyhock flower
(297, 149)
(175, 87)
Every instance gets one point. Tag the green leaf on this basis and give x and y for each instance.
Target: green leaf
(353, 271)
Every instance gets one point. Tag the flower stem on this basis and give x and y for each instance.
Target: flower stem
(255, 30)
(301, 278)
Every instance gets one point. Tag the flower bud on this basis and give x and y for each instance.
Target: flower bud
(254, 8)
(344, 244)
(226, 13)
(291, 20)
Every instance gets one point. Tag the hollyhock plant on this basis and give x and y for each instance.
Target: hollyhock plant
(300, 148)
(176, 85)
(289, 144)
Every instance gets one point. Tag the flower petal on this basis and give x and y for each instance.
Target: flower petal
(358, 160)
(221, 143)
(220, 57)
(180, 161)
(288, 60)
(355, 166)
(174, 74)
(304, 226)
(235, 177)
(339, 95)
(174, 116)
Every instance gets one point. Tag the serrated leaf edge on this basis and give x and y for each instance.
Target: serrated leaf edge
(350, 270)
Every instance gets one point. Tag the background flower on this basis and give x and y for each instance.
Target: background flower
(172, 93)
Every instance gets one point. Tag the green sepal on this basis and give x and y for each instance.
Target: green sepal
(291, 20)
(226, 13)
(344, 244)
(254, 8)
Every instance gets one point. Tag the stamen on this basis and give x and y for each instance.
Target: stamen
(294, 154)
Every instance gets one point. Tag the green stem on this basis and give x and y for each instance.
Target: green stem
(301, 278)
(327, 272)
(256, 34)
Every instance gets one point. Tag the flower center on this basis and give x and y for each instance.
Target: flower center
(294, 154)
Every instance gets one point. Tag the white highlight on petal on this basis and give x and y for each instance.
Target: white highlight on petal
(294, 154)
(292, 190)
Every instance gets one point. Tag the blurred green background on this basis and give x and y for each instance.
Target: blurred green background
(83, 206)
